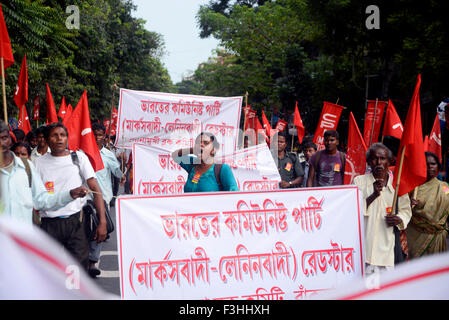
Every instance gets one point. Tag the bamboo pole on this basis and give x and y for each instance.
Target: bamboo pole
(373, 123)
(5, 113)
(398, 180)
(244, 119)
(114, 87)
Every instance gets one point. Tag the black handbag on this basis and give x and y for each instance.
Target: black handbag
(92, 219)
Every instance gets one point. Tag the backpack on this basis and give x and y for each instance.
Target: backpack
(90, 211)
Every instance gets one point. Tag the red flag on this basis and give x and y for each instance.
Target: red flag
(266, 125)
(5, 43)
(36, 108)
(81, 135)
(426, 143)
(68, 114)
(21, 94)
(434, 141)
(24, 121)
(393, 125)
(330, 115)
(51, 109)
(62, 109)
(297, 121)
(281, 125)
(253, 127)
(356, 152)
(375, 109)
(414, 168)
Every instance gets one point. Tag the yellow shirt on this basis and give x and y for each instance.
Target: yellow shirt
(379, 238)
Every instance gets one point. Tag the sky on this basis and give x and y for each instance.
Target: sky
(175, 21)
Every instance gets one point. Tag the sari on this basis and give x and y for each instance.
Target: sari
(427, 230)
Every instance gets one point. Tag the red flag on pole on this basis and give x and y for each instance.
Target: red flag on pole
(62, 109)
(266, 125)
(81, 135)
(414, 166)
(24, 121)
(434, 142)
(330, 115)
(297, 121)
(373, 120)
(254, 127)
(393, 124)
(281, 125)
(112, 123)
(426, 143)
(68, 114)
(21, 93)
(5, 43)
(356, 152)
(51, 109)
(36, 108)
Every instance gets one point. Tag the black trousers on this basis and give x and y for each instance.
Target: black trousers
(71, 233)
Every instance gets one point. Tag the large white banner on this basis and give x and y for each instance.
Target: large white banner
(173, 121)
(254, 170)
(287, 244)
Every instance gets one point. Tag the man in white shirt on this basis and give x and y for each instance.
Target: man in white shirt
(42, 146)
(59, 173)
(22, 187)
(377, 189)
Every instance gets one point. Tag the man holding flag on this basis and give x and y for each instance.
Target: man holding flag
(377, 189)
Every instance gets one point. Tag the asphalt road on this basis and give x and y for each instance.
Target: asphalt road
(109, 279)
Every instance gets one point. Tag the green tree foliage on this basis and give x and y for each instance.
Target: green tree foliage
(110, 46)
(262, 51)
(315, 51)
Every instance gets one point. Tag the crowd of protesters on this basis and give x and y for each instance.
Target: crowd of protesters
(42, 184)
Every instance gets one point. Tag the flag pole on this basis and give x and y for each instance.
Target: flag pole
(114, 87)
(244, 119)
(398, 179)
(5, 113)
(373, 123)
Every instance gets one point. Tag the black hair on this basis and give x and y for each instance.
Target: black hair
(98, 126)
(435, 157)
(21, 144)
(20, 134)
(31, 135)
(215, 143)
(53, 126)
(331, 133)
(40, 130)
(309, 144)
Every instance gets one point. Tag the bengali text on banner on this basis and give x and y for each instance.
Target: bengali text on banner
(288, 244)
(173, 121)
(254, 170)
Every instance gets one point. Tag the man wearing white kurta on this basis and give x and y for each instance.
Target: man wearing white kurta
(377, 189)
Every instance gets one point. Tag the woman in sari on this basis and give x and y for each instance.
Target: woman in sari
(427, 230)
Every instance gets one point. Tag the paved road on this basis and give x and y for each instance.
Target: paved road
(108, 280)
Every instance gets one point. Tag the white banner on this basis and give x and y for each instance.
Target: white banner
(287, 244)
(254, 170)
(173, 121)
(424, 278)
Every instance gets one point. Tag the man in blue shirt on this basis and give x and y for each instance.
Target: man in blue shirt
(21, 191)
(104, 178)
